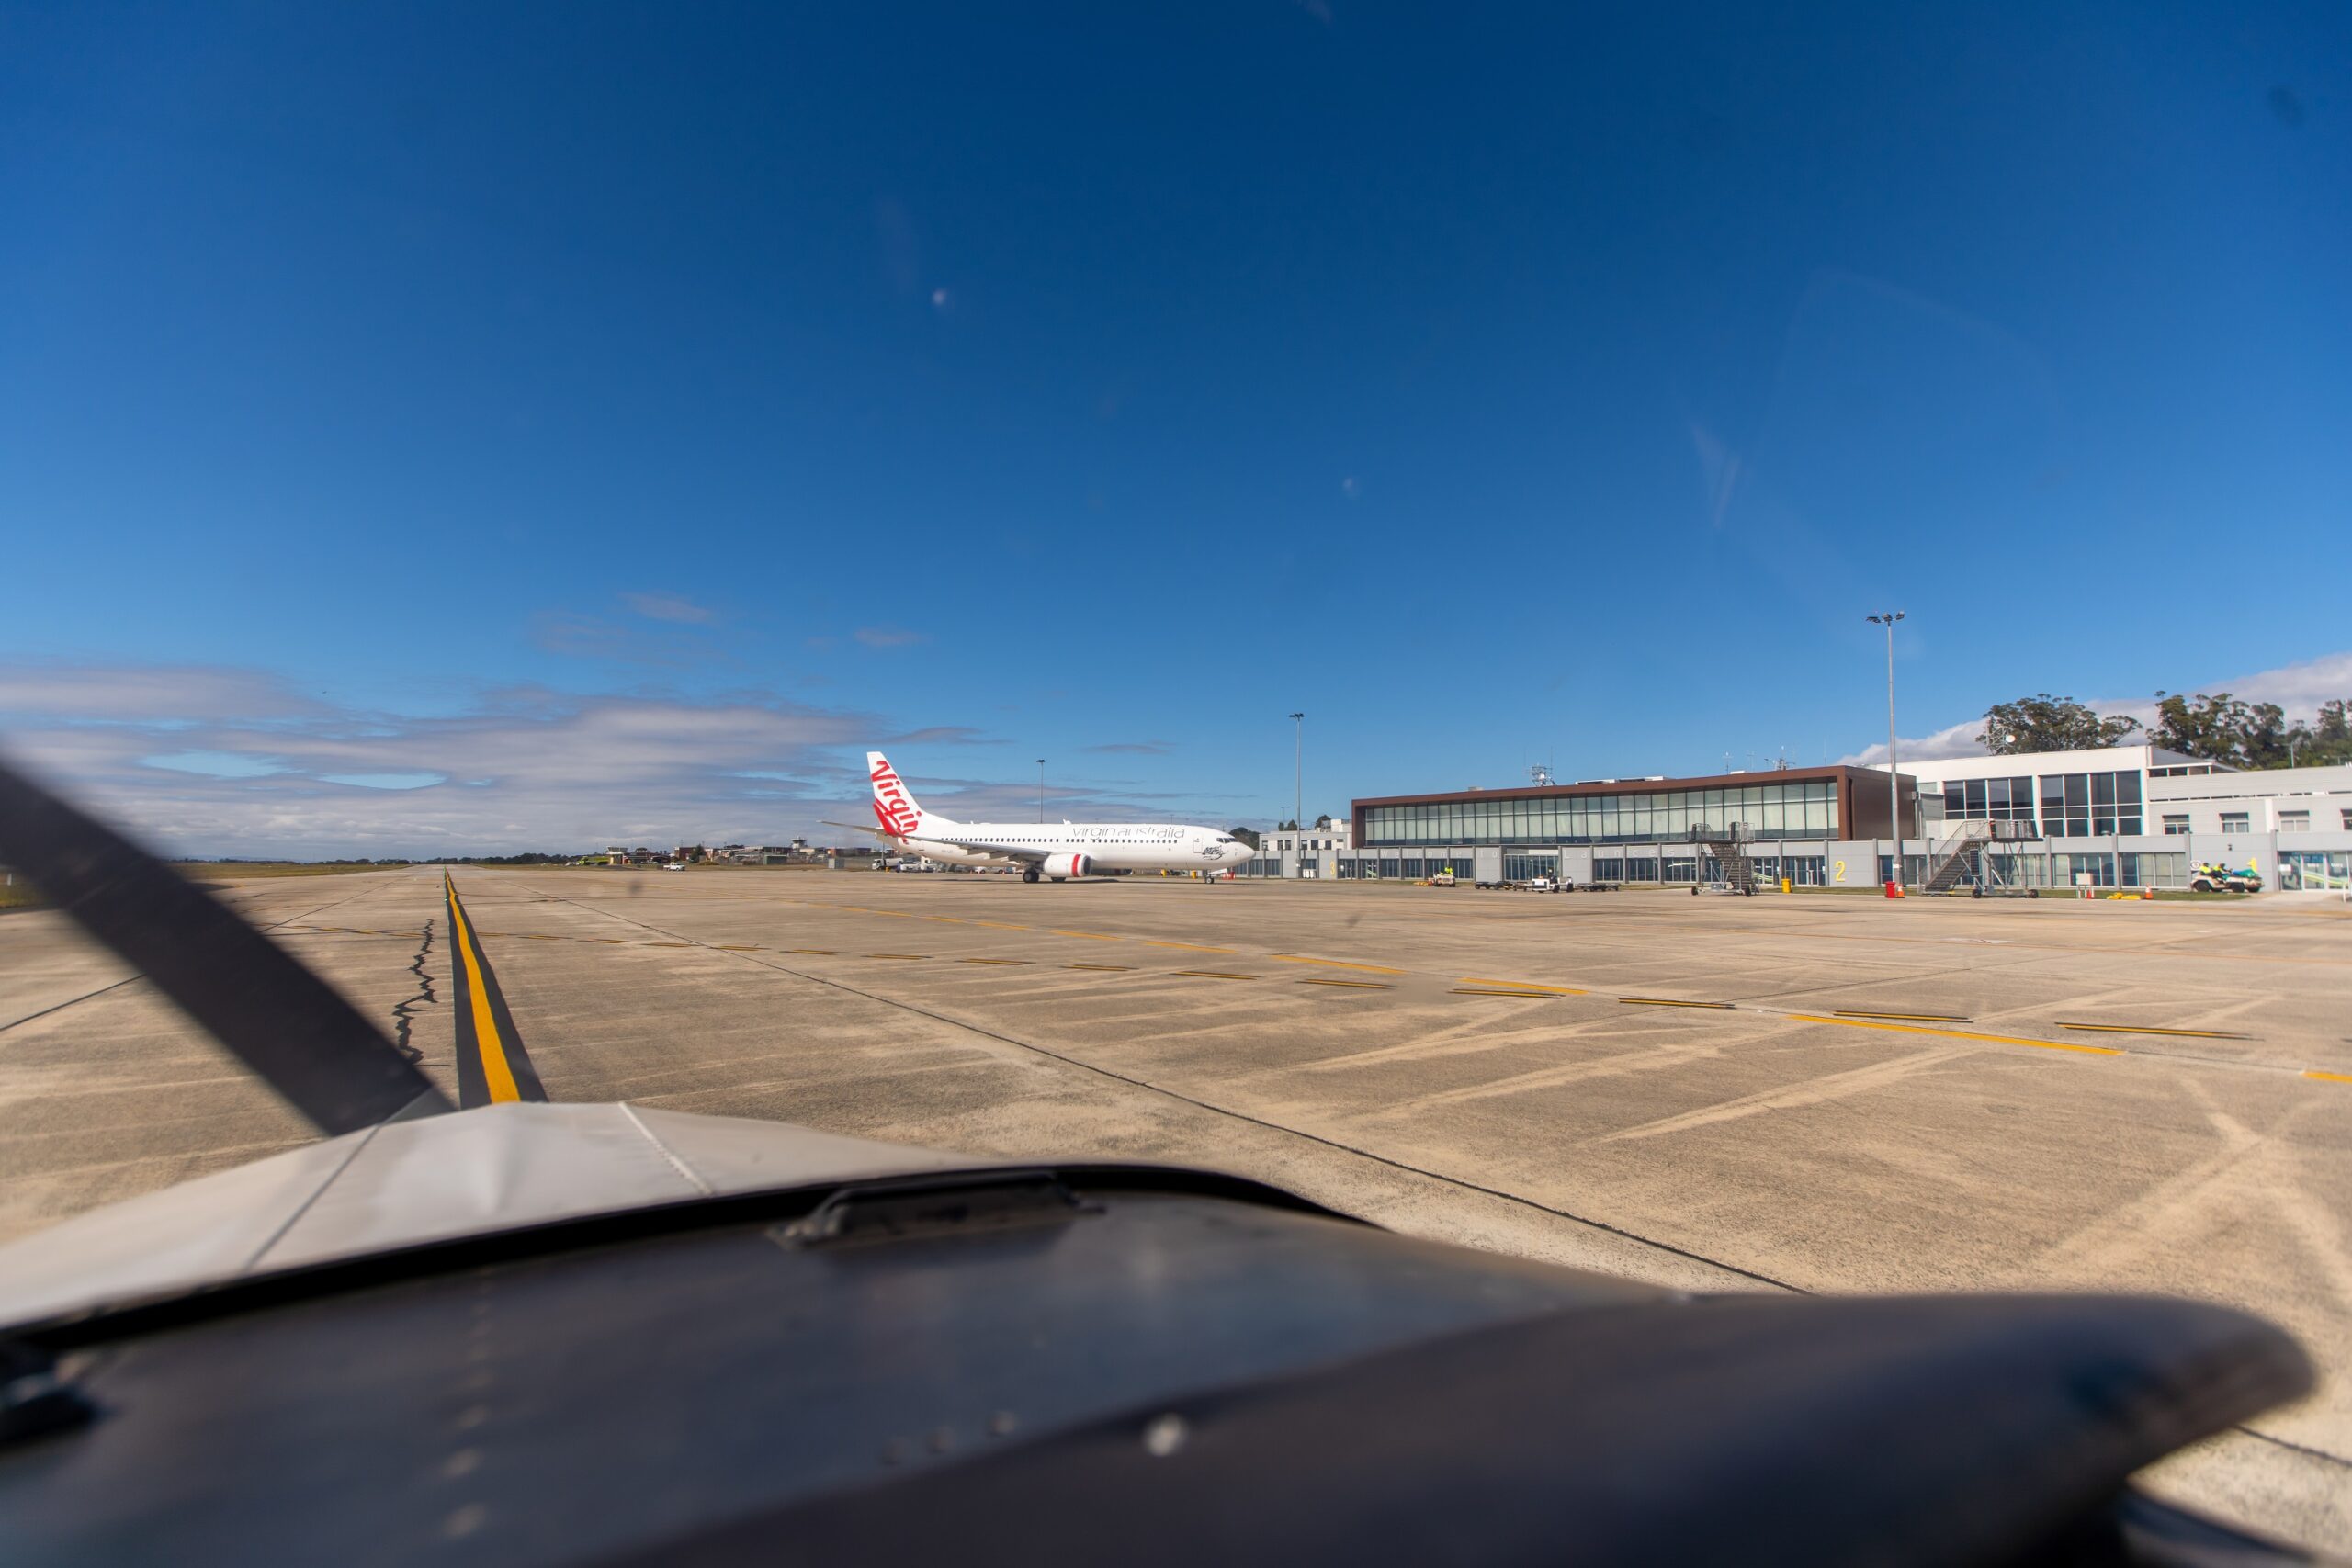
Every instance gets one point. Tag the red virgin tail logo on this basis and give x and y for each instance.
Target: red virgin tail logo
(896, 812)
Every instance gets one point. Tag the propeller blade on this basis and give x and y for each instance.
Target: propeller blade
(291, 1027)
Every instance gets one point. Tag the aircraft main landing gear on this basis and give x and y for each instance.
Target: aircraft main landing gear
(1028, 874)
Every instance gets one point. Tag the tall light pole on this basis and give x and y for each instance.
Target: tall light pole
(1041, 789)
(1298, 772)
(1893, 796)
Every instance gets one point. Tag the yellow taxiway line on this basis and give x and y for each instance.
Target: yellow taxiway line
(1506, 991)
(1335, 963)
(1956, 1035)
(498, 1078)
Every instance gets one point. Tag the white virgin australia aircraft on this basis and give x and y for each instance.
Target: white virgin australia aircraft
(1040, 849)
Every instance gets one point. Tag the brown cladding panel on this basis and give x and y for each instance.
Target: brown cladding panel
(1868, 795)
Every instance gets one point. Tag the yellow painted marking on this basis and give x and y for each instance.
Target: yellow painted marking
(669, 944)
(496, 1075)
(1501, 991)
(1001, 925)
(1187, 946)
(1958, 1034)
(834, 952)
(1210, 975)
(949, 920)
(1526, 985)
(991, 961)
(1350, 985)
(2135, 1028)
(1090, 936)
(1906, 1017)
(536, 936)
(2328, 1078)
(739, 947)
(610, 941)
(1335, 963)
(898, 955)
(1122, 968)
(1666, 1002)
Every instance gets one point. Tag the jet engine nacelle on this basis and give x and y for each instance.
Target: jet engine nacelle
(1060, 866)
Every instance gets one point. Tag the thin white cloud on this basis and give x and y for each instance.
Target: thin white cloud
(942, 734)
(213, 764)
(194, 773)
(195, 764)
(997, 800)
(1959, 740)
(670, 608)
(1720, 469)
(2297, 688)
(158, 694)
(672, 644)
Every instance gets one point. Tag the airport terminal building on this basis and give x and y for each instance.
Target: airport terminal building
(1814, 826)
(2150, 815)
(2122, 816)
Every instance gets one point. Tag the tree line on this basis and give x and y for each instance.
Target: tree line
(2217, 729)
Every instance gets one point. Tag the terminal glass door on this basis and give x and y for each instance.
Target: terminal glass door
(2304, 869)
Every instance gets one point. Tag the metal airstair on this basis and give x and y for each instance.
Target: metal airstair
(1729, 848)
(1960, 859)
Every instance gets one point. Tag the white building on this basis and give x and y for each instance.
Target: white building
(1309, 852)
(2121, 814)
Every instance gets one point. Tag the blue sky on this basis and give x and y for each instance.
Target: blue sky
(436, 427)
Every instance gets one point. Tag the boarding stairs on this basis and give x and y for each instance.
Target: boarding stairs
(1958, 860)
(1729, 849)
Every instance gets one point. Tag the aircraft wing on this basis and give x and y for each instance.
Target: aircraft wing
(888, 838)
(1018, 856)
(1015, 857)
(429, 1181)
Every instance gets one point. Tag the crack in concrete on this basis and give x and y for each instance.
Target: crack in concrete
(400, 1014)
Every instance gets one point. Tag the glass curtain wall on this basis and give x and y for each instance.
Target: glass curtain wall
(1994, 800)
(2304, 869)
(2084, 806)
(1808, 808)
